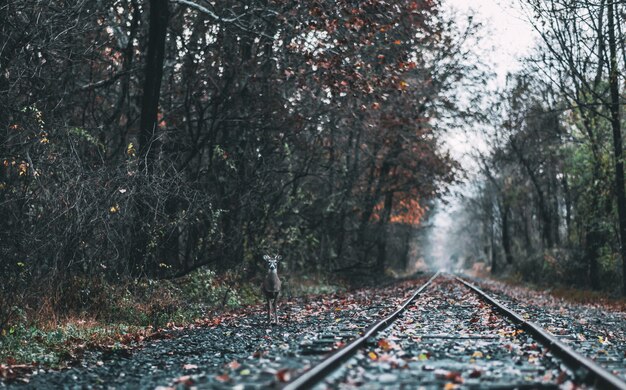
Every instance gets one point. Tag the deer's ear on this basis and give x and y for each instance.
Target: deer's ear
(266, 257)
(278, 257)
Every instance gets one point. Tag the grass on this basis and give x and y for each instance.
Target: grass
(59, 345)
(118, 316)
(113, 317)
(571, 294)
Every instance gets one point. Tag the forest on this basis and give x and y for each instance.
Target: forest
(145, 141)
(548, 204)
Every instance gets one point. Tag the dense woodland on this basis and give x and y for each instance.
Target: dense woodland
(549, 203)
(145, 139)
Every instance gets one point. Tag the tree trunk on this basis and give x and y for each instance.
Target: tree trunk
(593, 243)
(159, 16)
(617, 139)
(568, 207)
(492, 243)
(382, 232)
(506, 238)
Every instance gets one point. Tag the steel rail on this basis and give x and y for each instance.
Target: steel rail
(333, 361)
(602, 377)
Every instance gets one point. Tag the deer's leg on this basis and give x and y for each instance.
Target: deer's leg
(269, 310)
(276, 310)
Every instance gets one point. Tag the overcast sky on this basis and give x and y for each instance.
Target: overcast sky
(508, 34)
(507, 38)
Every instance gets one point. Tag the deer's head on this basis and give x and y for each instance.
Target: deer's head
(272, 261)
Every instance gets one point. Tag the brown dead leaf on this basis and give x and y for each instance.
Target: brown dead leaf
(384, 344)
(455, 377)
(283, 375)
(184, 380)
(475, 374)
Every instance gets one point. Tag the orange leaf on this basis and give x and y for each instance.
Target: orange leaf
(384, 344)
(455, 377)
(283, 375)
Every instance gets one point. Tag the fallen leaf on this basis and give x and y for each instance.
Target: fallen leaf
(475, 374)
(283, 375)
(384, 344)
(222, 378)
(244, 372)
(372, 355)
(477, 354)
(190, 367)
(234, 365)
(455, 377)
(184, 380)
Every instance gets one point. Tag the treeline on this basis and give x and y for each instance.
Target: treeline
(551, 201)
(149, 138)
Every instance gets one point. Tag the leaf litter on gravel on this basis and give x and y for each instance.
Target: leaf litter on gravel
(596, 329)
(459, 341)
(238, 347)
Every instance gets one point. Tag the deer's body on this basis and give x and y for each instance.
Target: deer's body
(271, 288)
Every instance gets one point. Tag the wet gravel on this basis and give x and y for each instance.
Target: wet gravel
(597, 331)
(447, 338)
(240, 351)
(450, 339)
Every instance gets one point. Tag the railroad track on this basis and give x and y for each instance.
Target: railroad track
(451, 333)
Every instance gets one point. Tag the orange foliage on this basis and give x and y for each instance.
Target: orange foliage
(405, 211)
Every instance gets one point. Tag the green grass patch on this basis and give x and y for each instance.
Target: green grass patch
(98, 315)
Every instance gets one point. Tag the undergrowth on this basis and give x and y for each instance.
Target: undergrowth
(94, 314)
(569, 293)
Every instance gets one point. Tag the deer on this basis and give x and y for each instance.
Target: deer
(271, 287)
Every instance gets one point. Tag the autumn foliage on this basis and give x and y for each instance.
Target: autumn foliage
(305, 128)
